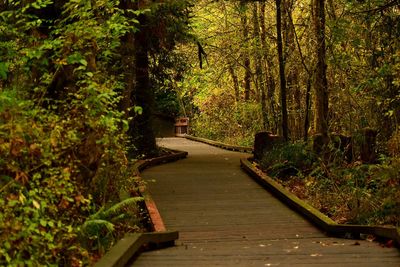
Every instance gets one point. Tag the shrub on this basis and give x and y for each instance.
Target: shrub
(288, 160)
(62, 139)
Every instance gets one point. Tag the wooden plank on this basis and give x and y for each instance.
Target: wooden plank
(120, 253)
(130, 245)
(225, 218)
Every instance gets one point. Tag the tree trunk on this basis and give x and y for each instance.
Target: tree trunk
(292, 72)
(268, 90)
(246, 59)
(235, 82)
(260, 82)
(308, 105)
(284, 119)
(320, 82)
(141, 130)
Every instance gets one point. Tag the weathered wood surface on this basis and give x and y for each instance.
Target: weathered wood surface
(226, 219)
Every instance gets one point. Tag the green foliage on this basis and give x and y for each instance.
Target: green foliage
(99, 231)
(349, 193)
(355, 193)
(62, 138)
(360, 194)
(167, 102)
(220, 118)
(39, 195)
(288, 159)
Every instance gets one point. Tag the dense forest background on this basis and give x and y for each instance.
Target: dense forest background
(238, 92)
(81, 80)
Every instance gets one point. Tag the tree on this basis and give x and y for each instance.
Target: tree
(158, 32)
(259, 81)
(267, 96)
(320, 82)
(245, 55)
(282, 78)
(142, 131)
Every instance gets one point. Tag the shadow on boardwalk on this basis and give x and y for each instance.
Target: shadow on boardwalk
(226, 219)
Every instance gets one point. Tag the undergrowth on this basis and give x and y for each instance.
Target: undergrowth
(354, 192)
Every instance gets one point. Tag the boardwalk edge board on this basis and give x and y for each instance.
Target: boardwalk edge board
(312, 214)
(131, 244)
(245, 149)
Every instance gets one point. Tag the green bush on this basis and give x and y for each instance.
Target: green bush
(62, 148)
(39, 194)
(221, 119)
(288, 160)
(357, 193)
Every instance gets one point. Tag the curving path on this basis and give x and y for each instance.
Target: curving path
(227, 219)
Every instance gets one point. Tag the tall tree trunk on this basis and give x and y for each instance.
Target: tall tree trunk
(320, 82)
(292, 71)
(284, 119)
(246, 58)
(260, 82)
(142, 131)
(235, 82)
(308, 106)
(268, 90)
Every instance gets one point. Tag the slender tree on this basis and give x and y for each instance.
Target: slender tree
(235, 81)
(320, 82)
(258, 79)
(246, 58)
(267, 95)
(282, 78)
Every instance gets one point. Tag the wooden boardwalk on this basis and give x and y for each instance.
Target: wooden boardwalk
(226, 219)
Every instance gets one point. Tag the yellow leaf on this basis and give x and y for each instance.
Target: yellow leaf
(36, 204)
(21, 198)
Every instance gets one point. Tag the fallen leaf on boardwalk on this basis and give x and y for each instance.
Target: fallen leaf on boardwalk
(261, 245)
(370, 238)
(316, 255)
(356, 243)
(338, 244)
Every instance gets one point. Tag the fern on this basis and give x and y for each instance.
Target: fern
(116, 209)
(96, 228)
(99, 228)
